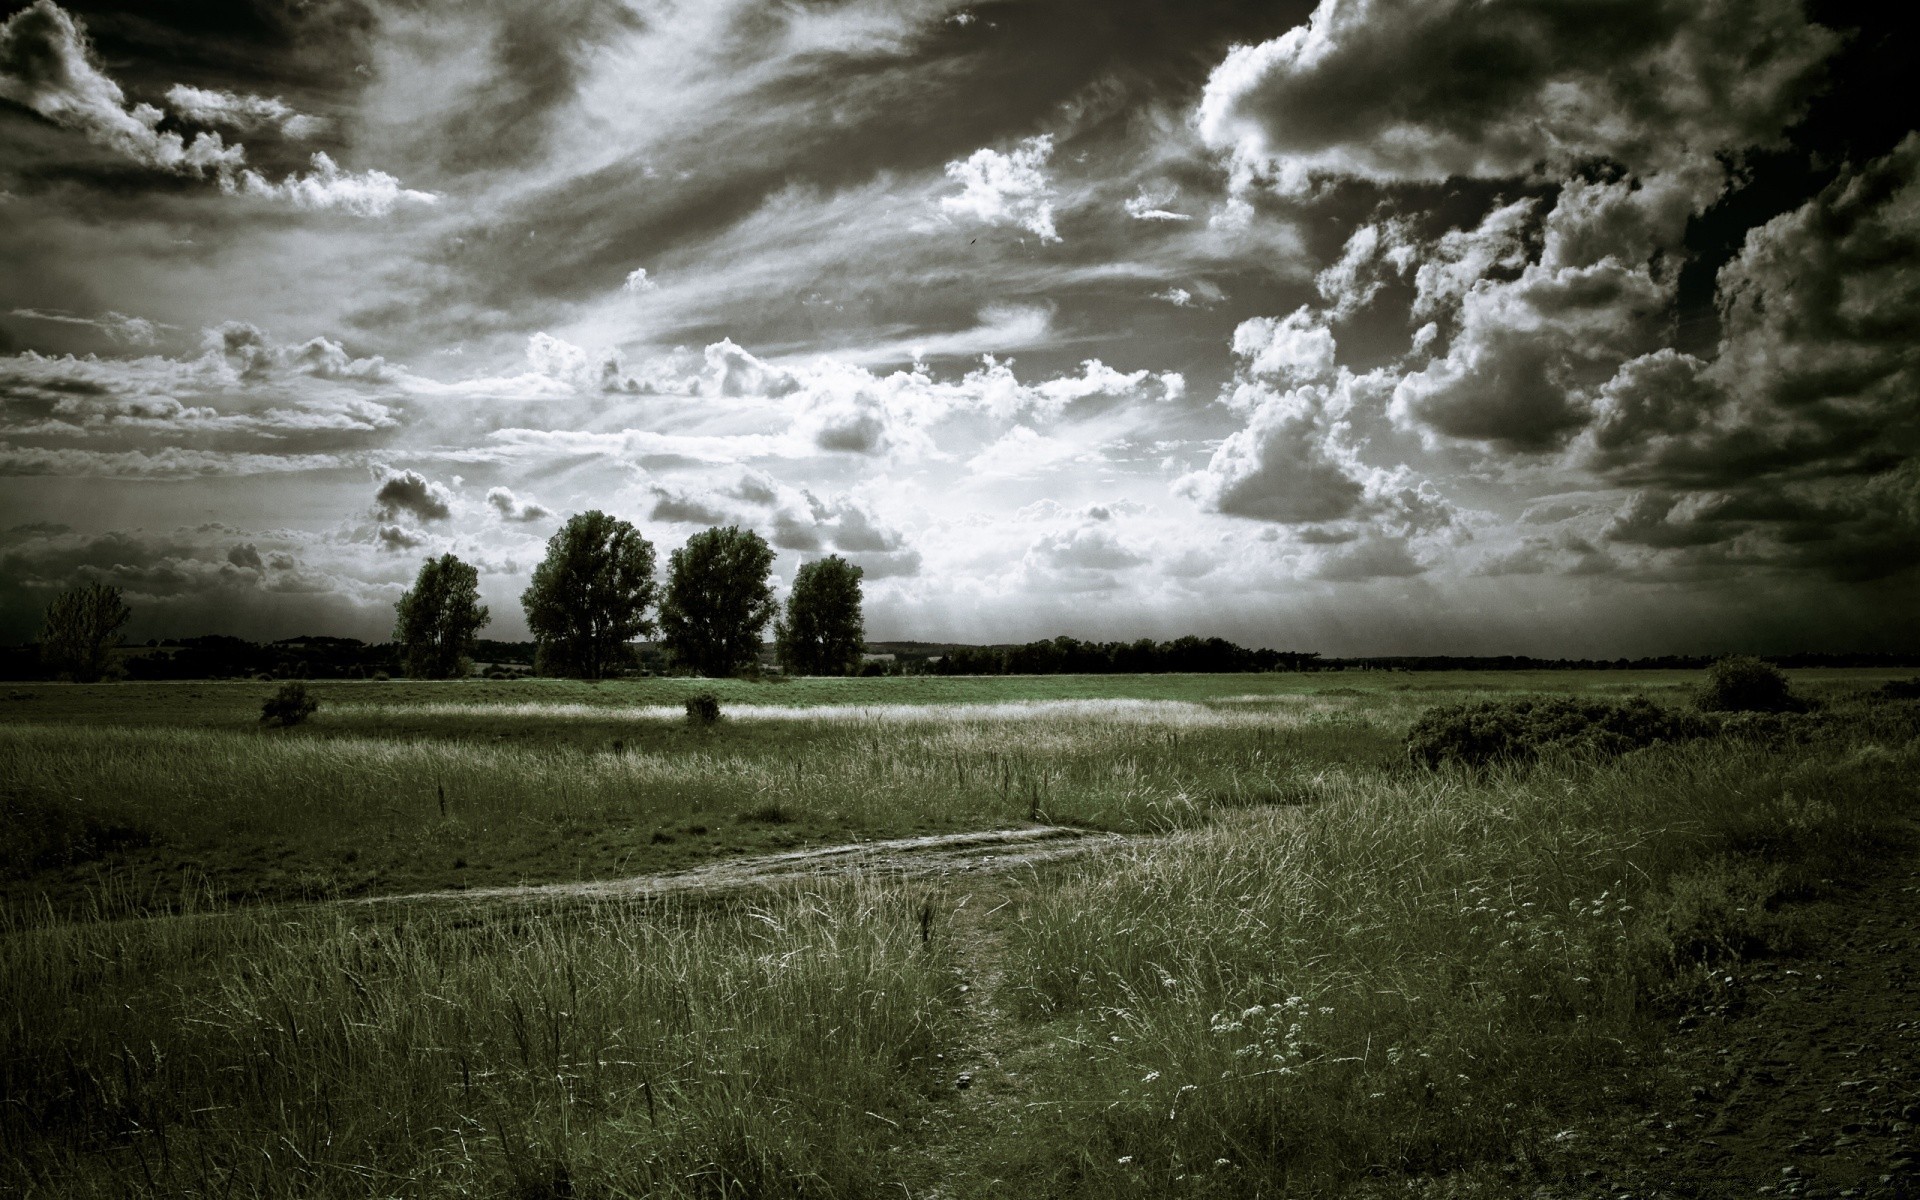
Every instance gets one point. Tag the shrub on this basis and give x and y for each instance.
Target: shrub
(290, 705)
(1900, 689)
(703, 710)
(1519, 730)
(1742, 683)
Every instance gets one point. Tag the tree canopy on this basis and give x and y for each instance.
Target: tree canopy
(823, 631)
(81, 627)
(717, 600)
(437, 620)
(590, 596)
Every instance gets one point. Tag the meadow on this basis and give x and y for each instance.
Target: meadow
(1310, 966)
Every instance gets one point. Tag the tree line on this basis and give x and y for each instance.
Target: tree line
(595, 594)
(1071, 656)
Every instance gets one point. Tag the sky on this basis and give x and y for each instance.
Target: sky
(1559, 327)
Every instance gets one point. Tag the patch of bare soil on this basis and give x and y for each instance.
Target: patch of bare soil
(904, 858)
(1801, 1079)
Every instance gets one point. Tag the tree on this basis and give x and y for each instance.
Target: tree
(81, 626)
(590, 596)
(822, 632)
(717, 600)
(438, 619)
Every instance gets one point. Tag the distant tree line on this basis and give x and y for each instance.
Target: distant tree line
(590, 599)
(1071, 656)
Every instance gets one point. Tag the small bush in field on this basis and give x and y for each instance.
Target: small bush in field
(1519, 730)
(290, 705)
(1745, 684)
(1900, 689)
(703, 710)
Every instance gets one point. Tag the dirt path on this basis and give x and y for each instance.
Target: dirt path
(1802, 1079)
(901, 858)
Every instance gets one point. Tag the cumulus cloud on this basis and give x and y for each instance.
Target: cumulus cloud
(1006, 189)
(413, 493)
(254, 356)
(398, 538)
(639, 283)
(246, 556)
(1528, 354)
(1372, 251)
(1415, 91)
(1296, 461)
(206, 106)
(48, 65)
(514, 508)
(365, 194)
(794, 518)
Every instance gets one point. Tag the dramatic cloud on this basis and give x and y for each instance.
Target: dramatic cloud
(1496, 325)
(245, 113)
(1007, 189)
(47, 65)
(1816, 368)
(412, 492)
(1413, 91)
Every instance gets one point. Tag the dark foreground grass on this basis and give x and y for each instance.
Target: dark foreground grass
(579, 1051)
(1417, 973)
(1420, 978)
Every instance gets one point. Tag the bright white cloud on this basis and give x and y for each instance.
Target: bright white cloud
(1006, 189)
(327, 186)
(205, 106)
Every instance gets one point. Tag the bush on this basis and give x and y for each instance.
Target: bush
(289, 706)
(1745, 684)
(703, 710)
(1900, 689)
(1519, 730)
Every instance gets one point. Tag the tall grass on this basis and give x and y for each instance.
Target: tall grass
(185, 787)
(1412, 976)
(586, 1050)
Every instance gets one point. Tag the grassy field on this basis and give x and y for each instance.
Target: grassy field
(1317, 969)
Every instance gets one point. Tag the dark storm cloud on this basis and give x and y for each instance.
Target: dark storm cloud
(1817, 368)
(1405, 90)
(188, 581)
(413, 493)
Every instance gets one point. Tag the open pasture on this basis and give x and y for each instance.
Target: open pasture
(1313, 967)
(133, 797)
